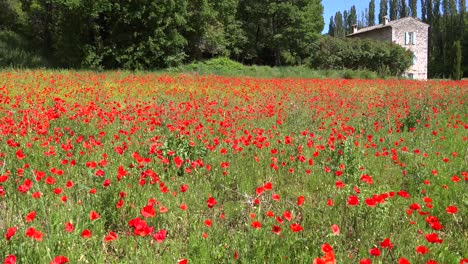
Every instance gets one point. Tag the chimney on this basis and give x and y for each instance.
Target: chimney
(354, 28)
(385, 22)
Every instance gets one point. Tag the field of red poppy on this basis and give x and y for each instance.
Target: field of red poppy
(144, 168)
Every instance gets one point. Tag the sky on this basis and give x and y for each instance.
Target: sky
(330, 7)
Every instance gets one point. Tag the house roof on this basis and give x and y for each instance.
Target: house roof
(389, 24)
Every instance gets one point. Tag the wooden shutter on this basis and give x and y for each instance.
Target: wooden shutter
(414, 38)
(406, 38)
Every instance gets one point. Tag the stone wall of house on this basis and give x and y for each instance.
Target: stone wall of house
(420, 49)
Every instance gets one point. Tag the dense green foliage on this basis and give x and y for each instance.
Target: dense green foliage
(227, 67)
(145, 34)
(381, 57)
(447, 20)
(15, 52)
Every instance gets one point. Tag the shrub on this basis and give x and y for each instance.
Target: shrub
(385, 58)
(14, 51)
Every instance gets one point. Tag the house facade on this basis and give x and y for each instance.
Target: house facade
(408, 32)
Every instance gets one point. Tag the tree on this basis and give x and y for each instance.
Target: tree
(393, 9)
(424, 10)
(383, 11)
(371, 14)
(413, 7)
(339, 25)
(351, 19)
(403, 9)
(280, 31)
(331, 27)
(457, 61)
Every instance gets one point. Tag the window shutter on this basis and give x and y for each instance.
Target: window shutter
(414, 38)
(406, 38)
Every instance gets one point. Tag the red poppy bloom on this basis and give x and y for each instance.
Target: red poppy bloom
(10, 232)
(160, 236)
(30, 216)
(353, 200)
(69, 227)
(211, 202)
(335, 229)
(275, 197)
(256, 224)
(59, 260)
(93, 215)
(110, 237)
(300, 200)
(148, 211)
(374, 252)
(422, 250)
(10, 259)
(276, 230)
(386, 243)
(86, 233)
(296, 227)
(403, 261)
(287, 215)
(451, 209)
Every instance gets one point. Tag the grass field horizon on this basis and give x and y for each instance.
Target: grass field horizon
(116, 167)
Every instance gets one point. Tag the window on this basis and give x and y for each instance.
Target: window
(410, 38)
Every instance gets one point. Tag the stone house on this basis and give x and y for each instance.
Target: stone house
(408, 32)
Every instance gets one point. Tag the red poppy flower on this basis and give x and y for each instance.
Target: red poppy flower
(256, 224)
(374, 252)
(211, 202)
(183, 188)
(86, 234)
(335, 229)
(19, 154)
(386, 243)
(110, 237)
(422, 250)
(365, 261)
(403, 261)
(10, 232)
(353, 200)
(10, 259)
(148, 211)
(59, 260)
(275, 197)
(433, 238)
(296, 227)
(69, 227)
(93, 215)
(287, 215)
(300, 200)
(30, 216)
(276, 230)
(451, 209)
(160, 235)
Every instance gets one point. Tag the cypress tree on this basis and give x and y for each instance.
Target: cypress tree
(383, 11)
(457, 61)
(393, 9)
(413, 8)
(371, 14)
(424, 10)
(403, 12)
(331, 27)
